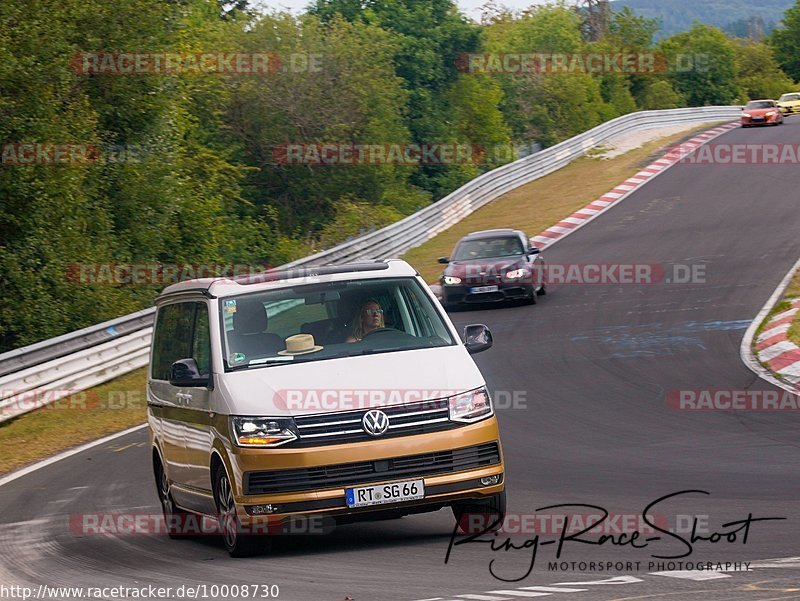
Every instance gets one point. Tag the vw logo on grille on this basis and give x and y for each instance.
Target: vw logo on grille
(375, 422)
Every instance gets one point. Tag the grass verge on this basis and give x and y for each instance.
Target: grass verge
(121, 403)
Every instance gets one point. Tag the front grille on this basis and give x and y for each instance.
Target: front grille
(345, 426)
(362, 472)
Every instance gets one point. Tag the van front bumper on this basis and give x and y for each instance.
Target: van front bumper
(451, 463)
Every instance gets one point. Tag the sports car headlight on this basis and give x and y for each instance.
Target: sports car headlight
(517, 273)
(746, 115)
(262, 431)
(471, 406)
(771, 114)
(451, 280)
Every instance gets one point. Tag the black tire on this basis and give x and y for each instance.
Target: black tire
(174, 517)
(474, 516)
(531, 300)
(236, 543)
(543, 289)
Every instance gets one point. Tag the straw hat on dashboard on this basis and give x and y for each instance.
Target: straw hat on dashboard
(300, 344)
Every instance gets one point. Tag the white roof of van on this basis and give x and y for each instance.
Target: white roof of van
(295, 276)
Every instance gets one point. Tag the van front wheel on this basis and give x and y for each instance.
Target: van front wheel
(236, 542)
(473, 517)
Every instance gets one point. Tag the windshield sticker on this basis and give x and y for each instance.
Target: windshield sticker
(238, 357)
(230, 306)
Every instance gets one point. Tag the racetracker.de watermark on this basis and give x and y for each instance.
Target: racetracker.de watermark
(23, 154)
(579, 63)
(718, 399)
(378, 154)
(411, 399)
(571, 523)
(189, 524)
(509, 272)
(194, 63)
(736, 154)
(14, 401)
(161, 274)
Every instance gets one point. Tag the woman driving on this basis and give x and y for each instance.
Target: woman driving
(368, 318)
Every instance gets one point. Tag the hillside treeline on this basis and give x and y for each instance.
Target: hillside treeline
(186, 168)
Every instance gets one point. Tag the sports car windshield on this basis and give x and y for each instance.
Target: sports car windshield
(760, 104)
(790, 97)
(314, 322)
(487, 248)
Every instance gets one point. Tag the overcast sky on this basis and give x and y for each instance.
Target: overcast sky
(469, 7)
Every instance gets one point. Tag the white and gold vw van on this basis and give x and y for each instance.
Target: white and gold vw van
(341, 391)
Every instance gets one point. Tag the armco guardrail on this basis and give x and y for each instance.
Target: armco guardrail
(47, 371)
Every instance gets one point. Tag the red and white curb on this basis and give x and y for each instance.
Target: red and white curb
(771, 356)
(583, 216)
(775, 350)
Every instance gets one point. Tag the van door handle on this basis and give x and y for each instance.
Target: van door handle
(183, 398)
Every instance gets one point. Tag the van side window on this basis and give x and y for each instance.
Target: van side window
(201, 343)
(172, 339)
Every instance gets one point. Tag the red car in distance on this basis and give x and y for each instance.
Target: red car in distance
(761, 112)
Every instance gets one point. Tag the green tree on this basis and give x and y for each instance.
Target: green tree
(545, 107)
(163, 188)
(430, 37)
(660, 95)
(786, 41)
(702, 63)
(758, 72)
(348, 94)
(51, 215)
(631, 34)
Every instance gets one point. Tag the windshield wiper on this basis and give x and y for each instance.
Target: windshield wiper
(375, 351)
(266, 362)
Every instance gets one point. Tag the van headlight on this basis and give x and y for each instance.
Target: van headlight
(471, 406)
(262, 431)
(451, 280)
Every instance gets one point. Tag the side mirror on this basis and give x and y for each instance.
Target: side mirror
(184, 373)
(443, 260)
(477, 338)
(533, 250)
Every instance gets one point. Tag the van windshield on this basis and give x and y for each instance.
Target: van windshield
(314, 322)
